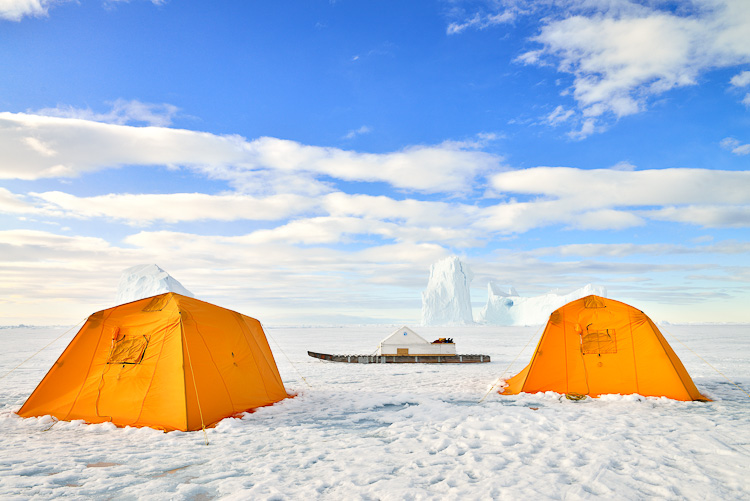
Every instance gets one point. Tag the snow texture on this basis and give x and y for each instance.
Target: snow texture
(393, 432)
(447, 299)
(146, 280)
(508, 308)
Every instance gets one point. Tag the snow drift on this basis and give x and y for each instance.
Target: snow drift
(146, 280)
(447, 299)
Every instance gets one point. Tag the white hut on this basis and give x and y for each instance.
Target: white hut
(405, 341)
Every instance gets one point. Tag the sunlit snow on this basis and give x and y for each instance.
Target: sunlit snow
(399, 431)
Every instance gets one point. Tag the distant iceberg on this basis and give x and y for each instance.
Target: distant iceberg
(447, 299)
(508, 308)
(146, 280)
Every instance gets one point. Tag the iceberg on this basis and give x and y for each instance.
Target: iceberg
(447, 299)
(146, 280)
(508, 308)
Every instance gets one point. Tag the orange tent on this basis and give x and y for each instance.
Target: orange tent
(169, 362)
(593, 346)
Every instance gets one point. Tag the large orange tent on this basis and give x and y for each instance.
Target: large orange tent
(594, 346)
(169, 362)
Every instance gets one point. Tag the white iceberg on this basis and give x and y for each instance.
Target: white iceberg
(508, 308)
(146, 280)
(447, 299)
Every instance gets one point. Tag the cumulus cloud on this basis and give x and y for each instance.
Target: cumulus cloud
(741, 79)
(15, 10)
(620, 53)
(38, 146)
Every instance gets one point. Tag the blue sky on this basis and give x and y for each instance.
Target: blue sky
(306, 161)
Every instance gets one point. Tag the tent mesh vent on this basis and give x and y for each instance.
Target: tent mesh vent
(599, 342)
(128, 351)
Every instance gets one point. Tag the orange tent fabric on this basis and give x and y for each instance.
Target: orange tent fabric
(169, 362)
(594, 346)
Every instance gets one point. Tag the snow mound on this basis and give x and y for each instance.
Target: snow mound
(508, 308)
(146, 280)
(447, 299)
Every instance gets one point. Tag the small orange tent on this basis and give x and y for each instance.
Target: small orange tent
(169, 362)
(594, 346)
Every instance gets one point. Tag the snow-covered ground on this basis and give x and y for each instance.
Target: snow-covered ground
(398, 431)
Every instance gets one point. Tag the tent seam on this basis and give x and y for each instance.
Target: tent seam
(210, 355)
(632, 348)
(248, 336)
(153, 374)
(91, 363)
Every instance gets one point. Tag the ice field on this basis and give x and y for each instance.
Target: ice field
(399, 431)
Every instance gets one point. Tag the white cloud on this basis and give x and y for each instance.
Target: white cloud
(22, 238)
(40, 146)
(52, 278)
(615, 199)
(15, 10)
(728, 216)
(481, 21)
(358, 132)
(573, 198)
(735, 146)
(342, 217)
(559, 115)
(611, 58)
(608, 188)
(123, 112)
(605, 219)
(446, 167)
(622, 52)
(741, 79)
(409, 211)
(624, 165)
(13, 204)
(629, 249)
(333, 230)
(174, 207)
